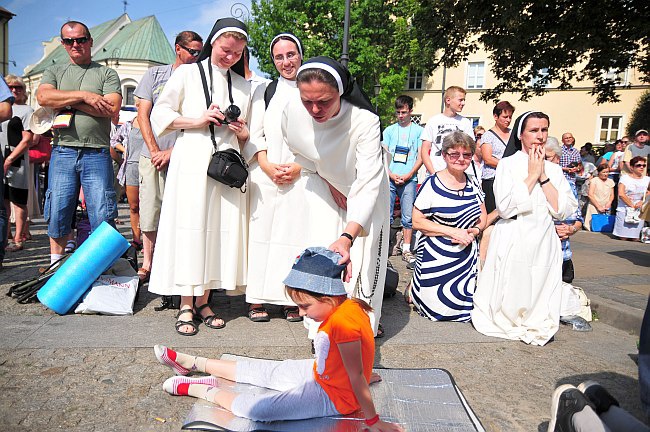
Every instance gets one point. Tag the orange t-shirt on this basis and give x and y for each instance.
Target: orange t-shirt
(348, 323)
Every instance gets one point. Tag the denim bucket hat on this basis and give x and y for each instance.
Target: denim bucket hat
(317, 270)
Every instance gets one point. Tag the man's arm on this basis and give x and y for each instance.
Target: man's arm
(114, 100)
(425, 151)
(96, 105)
(5, 111)
(144, 114)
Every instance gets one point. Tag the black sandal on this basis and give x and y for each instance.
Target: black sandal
(181, 323)
(258, 314)
(291, 313)
(210, 318)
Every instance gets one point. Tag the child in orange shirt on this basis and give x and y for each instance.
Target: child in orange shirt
(335, 383)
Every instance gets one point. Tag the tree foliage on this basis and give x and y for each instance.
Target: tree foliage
(319, 25)
(574, 40)
(640, 117)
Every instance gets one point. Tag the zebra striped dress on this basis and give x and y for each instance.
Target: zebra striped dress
(444, 277)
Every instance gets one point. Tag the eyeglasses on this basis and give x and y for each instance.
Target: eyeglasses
(290, 56)
(79, 40)
(639, 165)
(550, 157)
(625, 141)
(454, 156)
(193, 52)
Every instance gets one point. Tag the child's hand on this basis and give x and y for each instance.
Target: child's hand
(382, 426)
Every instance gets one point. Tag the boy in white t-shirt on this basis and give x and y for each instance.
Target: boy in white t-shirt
(442, 124)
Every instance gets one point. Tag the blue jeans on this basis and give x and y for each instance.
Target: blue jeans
(406, 193)
(71, 168)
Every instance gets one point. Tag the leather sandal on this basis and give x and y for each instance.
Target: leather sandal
(258, 314)
(208, 320)
(291, 313)
(181, 323)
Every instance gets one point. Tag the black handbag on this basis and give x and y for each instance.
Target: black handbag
(226, 166)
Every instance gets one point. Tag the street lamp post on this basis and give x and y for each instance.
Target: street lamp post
(345, 58)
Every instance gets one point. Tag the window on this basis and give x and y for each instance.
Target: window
(414, 80)
(129, 97)
(619, 77)
(416, 118)
(475, 75)
(610, 128)
(542, 74)
(475, 121)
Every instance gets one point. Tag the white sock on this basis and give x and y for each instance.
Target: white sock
(203, 391)
(55, 257)
(406, 248)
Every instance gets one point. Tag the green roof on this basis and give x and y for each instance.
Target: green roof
(142, 40)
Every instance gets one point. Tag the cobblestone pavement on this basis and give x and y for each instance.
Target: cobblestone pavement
(97, 373)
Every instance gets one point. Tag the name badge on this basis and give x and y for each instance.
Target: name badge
(401, 154)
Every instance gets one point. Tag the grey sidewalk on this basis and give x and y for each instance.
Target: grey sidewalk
(98, 373)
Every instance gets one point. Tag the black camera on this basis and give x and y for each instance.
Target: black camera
(231, 113)
(573, 164)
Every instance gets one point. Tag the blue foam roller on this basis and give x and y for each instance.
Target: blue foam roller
(97, 254)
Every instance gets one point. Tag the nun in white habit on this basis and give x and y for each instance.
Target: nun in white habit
(519, 290)
(334, 133)
(201, 242)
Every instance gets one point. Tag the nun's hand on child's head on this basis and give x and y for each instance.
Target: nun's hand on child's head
(342, 247)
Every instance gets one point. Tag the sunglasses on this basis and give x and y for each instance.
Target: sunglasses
(640, 166)
(79, 40)
(456, 155)
(16, 87)
(193, 52)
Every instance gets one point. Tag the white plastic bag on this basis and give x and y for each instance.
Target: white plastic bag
(113, 293)
(575, 302)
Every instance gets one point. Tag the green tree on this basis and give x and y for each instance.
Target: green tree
(319, 25)
(640, 117)
(570, 39)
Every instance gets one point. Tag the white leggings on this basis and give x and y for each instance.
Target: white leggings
(297, 395)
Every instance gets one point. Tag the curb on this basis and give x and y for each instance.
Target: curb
(618, 315)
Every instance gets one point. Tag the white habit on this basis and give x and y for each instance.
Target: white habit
(346, 152)
(519, 290)
(278, 214)
(201, 243)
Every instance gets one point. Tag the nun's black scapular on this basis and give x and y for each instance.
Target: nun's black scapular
(348, 88)
(221, 26)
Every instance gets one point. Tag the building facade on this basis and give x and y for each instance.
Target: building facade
(572, 110)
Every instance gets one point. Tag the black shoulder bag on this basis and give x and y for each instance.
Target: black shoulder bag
(227, 166)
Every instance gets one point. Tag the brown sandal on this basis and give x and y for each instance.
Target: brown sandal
(291, 313)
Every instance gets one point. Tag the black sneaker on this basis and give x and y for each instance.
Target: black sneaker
(567, 401)
(597, 395)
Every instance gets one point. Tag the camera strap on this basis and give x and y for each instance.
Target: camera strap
(208, 94)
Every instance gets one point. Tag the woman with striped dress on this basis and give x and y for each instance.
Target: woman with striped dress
(450, 214)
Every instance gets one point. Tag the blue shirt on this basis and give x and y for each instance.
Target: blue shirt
(5, 94)
(403, 143)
